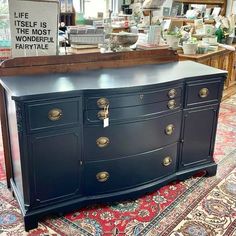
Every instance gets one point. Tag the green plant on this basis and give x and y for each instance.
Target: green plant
(192, 40)
(225, 29)
(175, 32)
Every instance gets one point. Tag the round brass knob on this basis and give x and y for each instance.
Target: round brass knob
(102, 176)
(102, 102)
(169, 129)
(172, 93)
(167, 161)
(171, 104)
(102, 115)
(102, 142)
(55, 114)
(204, 92)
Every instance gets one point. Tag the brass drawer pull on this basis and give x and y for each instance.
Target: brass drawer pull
(167, 161)
(102, 114)
(102, 176)
(102, 142)
(204, 92)
(172, 93)
(55, 114)
(102, 102)
(169, 129)
(171, 104)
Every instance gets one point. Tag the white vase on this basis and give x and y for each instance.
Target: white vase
(172, 41)
(189, 48)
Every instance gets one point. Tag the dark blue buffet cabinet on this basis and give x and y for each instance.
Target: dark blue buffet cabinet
(109, 134)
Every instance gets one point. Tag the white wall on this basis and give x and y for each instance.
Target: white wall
(228, 9)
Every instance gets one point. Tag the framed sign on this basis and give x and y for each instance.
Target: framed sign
(34, 27)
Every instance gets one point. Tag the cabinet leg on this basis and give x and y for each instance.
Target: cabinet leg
(30, 223)
(211, 171)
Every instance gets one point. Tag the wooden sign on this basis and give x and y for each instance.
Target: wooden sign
(34, 27)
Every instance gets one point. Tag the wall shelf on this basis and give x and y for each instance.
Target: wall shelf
(221, 3)
(68, 18)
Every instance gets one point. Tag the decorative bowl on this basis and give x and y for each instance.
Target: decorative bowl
(123, 39)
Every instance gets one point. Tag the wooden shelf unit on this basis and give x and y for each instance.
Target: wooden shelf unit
(68, 18)
(221, 3)
(221, 59)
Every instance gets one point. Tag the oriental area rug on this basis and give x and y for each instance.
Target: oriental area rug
(198, 206)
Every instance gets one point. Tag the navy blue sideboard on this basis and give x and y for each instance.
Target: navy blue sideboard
(162, 126)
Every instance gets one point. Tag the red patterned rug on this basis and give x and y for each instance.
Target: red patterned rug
(199, 206)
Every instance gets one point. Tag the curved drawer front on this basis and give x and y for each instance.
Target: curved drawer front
(128, 172)
(134, 99)
(131, 138)
(135, 112)
(203, 93)
(46, 115)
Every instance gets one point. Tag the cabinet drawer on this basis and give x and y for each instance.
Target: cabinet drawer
(135, 112)
(135, 99)
(131, 138)
(203, 93)
(131, 171)
(51, 114)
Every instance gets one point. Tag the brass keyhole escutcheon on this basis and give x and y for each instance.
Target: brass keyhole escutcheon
(103, 114)
(169, 129)
(103, 142)
(171, 104)
(172, 93)
(102, 102)
(55, 114)
(167, 161)
(102, 176)
(204, 92)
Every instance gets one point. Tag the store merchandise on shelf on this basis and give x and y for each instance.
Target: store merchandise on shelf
(5, 43)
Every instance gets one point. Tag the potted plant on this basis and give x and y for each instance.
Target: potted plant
(172, 38)
(225, 29)
(190, 46)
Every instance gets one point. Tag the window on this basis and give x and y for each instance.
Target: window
(91, 8)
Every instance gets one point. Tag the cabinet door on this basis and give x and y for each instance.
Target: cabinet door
(206, 61)
(55, 160)
(199, 127)
(216, 62)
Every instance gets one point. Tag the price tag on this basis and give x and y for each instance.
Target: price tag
(106, 119)
(106, 122)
